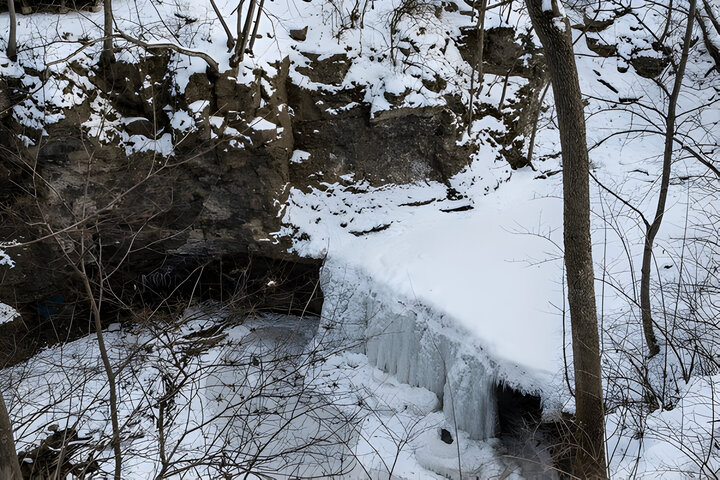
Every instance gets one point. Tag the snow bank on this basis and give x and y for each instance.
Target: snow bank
(5, 259)
(7, 313)
(453, 295)
(494, 269)
(672, 444)
(417, 345)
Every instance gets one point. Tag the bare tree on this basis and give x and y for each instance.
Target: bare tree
(9, 465)
(689, 136)
(246, 31)
(553, 29)
(654, 226)
(710, 26)
(12, 37)
(477, 58)
(107, 56)
(230, 39)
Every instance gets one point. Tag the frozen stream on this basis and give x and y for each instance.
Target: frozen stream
(347, 419)
(419, 346)
(275, 395)
(423, 348)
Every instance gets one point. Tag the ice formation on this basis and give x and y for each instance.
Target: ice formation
(418, 345)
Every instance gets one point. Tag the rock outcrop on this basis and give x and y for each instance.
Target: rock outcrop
(144, 177)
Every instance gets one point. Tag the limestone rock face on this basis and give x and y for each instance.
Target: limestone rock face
(395, 146)
(151, 171)
(217, 189)
(502, 52)
(507, 54)
(603, 49)
(160, 175)
(649, 66)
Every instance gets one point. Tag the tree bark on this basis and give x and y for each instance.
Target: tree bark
(712, 49)
(9, 465)
(12, 38)
(477, 60)
(243, 40)
(236, 58)
(652, 230)
(95, 305)
(253, 36)
(553, 29)
(230, 39)
(107, 56)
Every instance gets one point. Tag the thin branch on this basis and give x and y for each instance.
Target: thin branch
(172, 46)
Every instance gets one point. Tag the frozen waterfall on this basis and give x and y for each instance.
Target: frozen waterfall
(418, 345)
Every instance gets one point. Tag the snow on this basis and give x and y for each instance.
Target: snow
(675, 442)
(250, 378)
(500, 244)
(194, 26)
(413, 343)
(7, 313)
(199, 106)
(5, 259)
(299, 156)
(449, 293)
(181, 120)
(490, 279)
(216, 121)
(261, 124)
(501, 260)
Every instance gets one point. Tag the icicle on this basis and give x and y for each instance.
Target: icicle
(410, 342)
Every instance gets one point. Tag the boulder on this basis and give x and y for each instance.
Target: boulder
(599, 47)
(649, 66)
(300, 34)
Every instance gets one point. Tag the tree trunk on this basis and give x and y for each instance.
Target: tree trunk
(477, 60)
(107, 56)
(645, 307)
(243, 40)
(554, 32)
(712, 49)
(12, 38)
(230, 40)
(109, 372)
(253, 36)
(9, 465)
(237, 55)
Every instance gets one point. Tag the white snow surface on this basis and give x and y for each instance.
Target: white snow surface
(249, 379)
(60, 40)
(489, 269)
(7, 313)
(492, 275)
(488, 280)
(5, 259)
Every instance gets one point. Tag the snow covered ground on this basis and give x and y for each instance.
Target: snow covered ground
(215, 395)
(453, 301)
(7, 313)
(493, 277)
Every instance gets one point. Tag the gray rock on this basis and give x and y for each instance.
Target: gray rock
(594, 25)
(598, 46)
(649, 67)
(299, 35)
